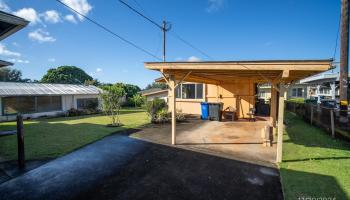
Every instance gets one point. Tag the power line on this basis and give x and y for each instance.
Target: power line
(142, 15)
(111, 32)
(177, 36)
(189, 44)
(336, 40)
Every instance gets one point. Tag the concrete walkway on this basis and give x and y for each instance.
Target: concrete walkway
(120, 167)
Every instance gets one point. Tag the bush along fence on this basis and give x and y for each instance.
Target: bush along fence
(322, 117)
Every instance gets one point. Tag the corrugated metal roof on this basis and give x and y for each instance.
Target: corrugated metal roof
(18, 89)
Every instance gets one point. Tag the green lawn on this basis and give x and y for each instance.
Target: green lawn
(314, 164)
(50, 138)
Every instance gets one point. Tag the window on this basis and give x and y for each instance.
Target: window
(189, 91)
(262, 94)
(297, 92)
(87, 103)
(325, 91)
(48, 103)
(31, 104)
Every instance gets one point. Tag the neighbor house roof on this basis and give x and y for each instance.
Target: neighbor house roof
(153, 91)
(4, 63)
(31, 89)
(322, 77)
(258, 70)
(10, 24)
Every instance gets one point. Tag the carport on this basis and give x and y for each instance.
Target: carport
(279, 73)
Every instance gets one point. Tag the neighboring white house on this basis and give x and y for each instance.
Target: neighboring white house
(155, 93)
(323, 86)
(38, 99)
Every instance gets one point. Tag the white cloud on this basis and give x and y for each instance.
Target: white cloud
(29, 14)
(71, 19)
(214, 5)
(51, 60)
(52, 16)
(19, 61)
(4, 7)
(41, 36)
(193, 59)
(5, 52)
(82, 6)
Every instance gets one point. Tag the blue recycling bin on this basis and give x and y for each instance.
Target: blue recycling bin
(205, 110)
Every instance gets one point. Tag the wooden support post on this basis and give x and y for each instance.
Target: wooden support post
(172, 106)
(332, 122)
(20, 142)
(280, 123)
(273, 107)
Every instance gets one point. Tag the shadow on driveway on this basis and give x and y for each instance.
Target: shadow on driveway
(120, 167)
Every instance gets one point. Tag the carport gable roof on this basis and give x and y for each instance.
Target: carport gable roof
(215, 72)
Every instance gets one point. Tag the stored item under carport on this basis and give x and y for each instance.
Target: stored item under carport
(215, 111)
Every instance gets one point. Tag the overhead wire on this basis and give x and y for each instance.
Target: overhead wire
(174, 34)
(110, 31)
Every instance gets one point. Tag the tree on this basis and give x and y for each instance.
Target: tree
(94, 82)
(130, 89)
(11, 75)
(156, 85)
(112, 98)
(66, 75)
(138, 100)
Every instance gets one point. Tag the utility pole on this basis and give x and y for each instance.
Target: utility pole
(344, 51)
(166, 27)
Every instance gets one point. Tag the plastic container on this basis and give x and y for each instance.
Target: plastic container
(205, 110)
(215, 111)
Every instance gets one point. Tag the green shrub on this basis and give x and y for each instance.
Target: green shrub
(180, 117)
(155, 109)
(163, 116)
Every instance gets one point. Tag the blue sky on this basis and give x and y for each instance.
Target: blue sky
(224, 29)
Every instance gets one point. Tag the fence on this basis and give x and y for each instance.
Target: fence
(325, 118)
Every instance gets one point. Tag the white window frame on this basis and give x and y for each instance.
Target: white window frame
(195, 91)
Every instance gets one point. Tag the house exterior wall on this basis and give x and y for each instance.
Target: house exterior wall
(68, 102)
(303, 87)
(239, 95)
(163, 95)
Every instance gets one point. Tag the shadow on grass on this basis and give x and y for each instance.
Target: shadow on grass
(305, 185)
(304, 134)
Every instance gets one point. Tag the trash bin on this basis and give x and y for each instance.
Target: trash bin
(215, 111)
(205, 110)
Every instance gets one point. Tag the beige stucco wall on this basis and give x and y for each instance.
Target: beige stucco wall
(239, 95)
(163, 95)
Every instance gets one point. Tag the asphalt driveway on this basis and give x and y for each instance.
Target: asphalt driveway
(120, 167)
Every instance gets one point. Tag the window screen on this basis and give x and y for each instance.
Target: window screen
(189, 91)
(300, 92)
(24, 105)
(14, 105)
(87, 103)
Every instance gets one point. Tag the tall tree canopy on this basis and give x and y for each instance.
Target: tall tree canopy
(130, 90)
(156, 85)
(11, 75)
(66, 75)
